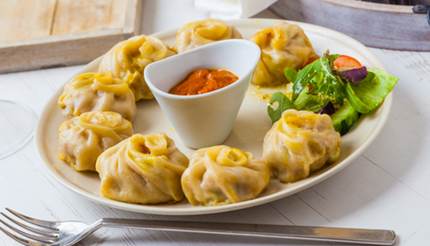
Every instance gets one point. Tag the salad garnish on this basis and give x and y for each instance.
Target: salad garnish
(337, 85)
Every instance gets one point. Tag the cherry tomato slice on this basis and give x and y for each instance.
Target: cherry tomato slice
(345, 62)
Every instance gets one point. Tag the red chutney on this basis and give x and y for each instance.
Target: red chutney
(204, 80)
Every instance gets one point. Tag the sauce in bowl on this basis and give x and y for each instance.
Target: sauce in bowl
(203, 81)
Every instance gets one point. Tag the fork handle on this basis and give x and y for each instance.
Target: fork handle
(309, 233)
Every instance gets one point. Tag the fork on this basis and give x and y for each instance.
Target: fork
(31, 231)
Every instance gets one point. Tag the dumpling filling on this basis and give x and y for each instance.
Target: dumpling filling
(97, 92)
(282, 46)
(143, 169)
(83, 138)
(198, 33)
(128, 59)
(299, 143)
(222, 175)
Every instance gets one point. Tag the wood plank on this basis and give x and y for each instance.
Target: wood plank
(23, 20)
(376, 25)
(133, 17)
(75, 16)
(59, 50)
(74, 31)
(373, 6)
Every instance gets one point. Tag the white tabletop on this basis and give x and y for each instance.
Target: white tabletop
(388, 187)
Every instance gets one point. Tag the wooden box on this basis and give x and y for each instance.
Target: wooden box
(48, 33)
(375, 24)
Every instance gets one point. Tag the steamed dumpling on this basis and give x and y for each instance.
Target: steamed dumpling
(299, 143)
(143, 169)
(83, 138)
(221, 175)
(198, 33)
(97, 92)
(128, 59)
(282, 46)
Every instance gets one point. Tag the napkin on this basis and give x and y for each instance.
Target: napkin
(232, 9)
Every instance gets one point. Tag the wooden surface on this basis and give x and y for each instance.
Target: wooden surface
(25, 20)
(77, 16)
(44, 33)
(383, 7)
(376, 25)
(388, 187)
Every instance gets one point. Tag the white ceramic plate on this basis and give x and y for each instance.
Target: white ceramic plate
(250, 127)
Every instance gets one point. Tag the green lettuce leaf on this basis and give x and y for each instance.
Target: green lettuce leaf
(290, 74)
(345, 118)
(309, 102)
(371, 92)
(278, 104)
(319, 84)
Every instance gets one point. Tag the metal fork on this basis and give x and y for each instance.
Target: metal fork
(30, 231)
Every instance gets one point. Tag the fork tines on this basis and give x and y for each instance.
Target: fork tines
(27, 230)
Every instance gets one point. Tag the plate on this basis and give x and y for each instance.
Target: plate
(250, 127)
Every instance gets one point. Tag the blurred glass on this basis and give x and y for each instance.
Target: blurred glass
(17, 123)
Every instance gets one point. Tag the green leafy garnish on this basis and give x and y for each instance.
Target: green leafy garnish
(370, 92)
(278, 104)
(290, 74)
(307, 101)
(318, 83)
(345, 118)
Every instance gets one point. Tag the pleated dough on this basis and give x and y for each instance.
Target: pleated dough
(128, 59)
(198, 33)
(97, 92)
(284, 45)
(143, 169)
(221, 175)
(299, 143)
(83, 138)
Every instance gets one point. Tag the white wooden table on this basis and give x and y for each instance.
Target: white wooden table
(388, 187)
